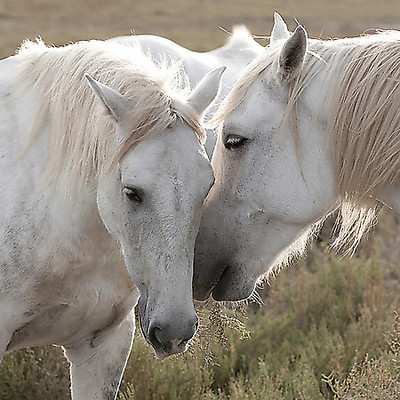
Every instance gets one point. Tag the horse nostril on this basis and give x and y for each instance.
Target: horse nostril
(178, 345)
(155, 335)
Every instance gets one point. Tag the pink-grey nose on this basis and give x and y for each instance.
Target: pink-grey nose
(169, 339)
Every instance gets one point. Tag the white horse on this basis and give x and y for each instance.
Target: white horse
(85, 174)
(235, 55)
(309, 126)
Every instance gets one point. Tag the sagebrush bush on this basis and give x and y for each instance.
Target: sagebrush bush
(322, 334)
(32, 374)
(373, 378)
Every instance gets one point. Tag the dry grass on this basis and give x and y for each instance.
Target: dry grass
(194, 23)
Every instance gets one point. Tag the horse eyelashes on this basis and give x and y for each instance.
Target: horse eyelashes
(234, 141)
(134, 194)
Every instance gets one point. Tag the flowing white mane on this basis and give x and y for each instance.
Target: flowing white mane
(81, 138)
(364, 123)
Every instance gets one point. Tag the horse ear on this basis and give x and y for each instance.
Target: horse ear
(292, 55)
(280, 30)
(206, 90)
(115, 104)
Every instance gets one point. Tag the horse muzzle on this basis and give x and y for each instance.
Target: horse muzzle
(167, 337)
(166, 343)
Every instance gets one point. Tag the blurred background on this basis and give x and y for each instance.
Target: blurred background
(328, 327)
(192, 23)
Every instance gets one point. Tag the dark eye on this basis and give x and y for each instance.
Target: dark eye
(134, 194)
(234, 141)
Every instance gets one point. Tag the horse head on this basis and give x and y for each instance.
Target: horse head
(151, 202)
(268, 176)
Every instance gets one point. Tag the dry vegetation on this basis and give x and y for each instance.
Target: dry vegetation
(193, 23)
(321, 316)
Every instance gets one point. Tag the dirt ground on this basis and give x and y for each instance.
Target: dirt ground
(193, 23)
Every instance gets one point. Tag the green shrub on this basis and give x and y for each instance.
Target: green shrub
(373, 378)
(320, 335)
(32, 374)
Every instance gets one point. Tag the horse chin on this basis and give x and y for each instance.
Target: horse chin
(203, 283)
(233, 286)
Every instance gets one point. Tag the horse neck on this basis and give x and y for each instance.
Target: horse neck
(235, 57)
(53, 204)
(74, 208)
(242, 54)
(63, 198)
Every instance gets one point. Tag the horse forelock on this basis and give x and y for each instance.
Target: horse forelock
(82, 139)
(364, 122)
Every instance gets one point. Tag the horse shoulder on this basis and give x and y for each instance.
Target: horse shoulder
(74, 303)
(53, 274)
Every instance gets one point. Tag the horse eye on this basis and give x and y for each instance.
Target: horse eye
(134, 194)
(234, 141)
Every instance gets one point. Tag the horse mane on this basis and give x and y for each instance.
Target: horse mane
(364, 123)
(82, 138)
